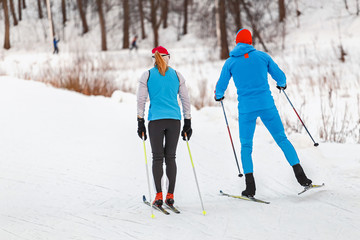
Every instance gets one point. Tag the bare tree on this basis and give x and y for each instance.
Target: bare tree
(50, 18)
(141, 12)
(19, 7)
(63, 10)
(185, 17)
(282, 11)
(253, 24)
(346, 5)
(221, 28)
(24, 4)
(357, 8)
(82, 16)
(164, 12)
(154, 5)
(39, 9)
(7, 25)
(234, 7)
(298, 13)
(102, 25)
(12, 9)
(126, 24)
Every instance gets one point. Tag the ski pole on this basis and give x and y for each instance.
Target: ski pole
(232, 144)
(148, 179)
(197, 184)
(315, 143)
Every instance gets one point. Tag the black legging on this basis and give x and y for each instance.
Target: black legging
(158, 130)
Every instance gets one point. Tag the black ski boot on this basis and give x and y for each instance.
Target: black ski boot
(169, 199)
(300, 176)
(158, 200)
(250, 186)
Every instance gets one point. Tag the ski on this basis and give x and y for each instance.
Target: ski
(310, 187)
(172, 208)
(244, 198)
(161, 209)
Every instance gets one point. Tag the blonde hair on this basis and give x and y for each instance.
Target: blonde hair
(160, 63)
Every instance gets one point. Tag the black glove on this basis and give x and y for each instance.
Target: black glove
(278, 87)
(218, 100)
(186, 129)
(141, 128)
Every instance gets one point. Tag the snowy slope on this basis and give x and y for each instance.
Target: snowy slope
(72, 167)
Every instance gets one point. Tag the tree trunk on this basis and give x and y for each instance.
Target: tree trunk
(298, 13)
(12, 9)
(143, 34)
(51, 22)
(164, 12)
(63, 10)
(19, 7)
(102, 25)
(185, 16)
(235, 11)
(221, 25)
(357, 8)
(40, 9)
(82, 16)
(253, 25)
(282, 12)
(24, 4)
(7, 25)
(126, 24)
(154, 23)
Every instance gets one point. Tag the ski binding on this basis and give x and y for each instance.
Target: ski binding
(253, 199)
(161, 209)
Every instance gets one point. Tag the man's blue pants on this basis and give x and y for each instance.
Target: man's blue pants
(271, 119)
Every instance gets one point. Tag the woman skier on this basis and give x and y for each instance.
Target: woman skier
(249, 68)
(163, 85)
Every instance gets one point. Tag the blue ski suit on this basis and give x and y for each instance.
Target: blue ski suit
(249, 68)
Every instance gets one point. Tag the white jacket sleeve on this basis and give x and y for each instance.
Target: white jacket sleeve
(184, 97)
(142, 94)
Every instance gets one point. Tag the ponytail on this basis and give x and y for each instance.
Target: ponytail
(160, 63)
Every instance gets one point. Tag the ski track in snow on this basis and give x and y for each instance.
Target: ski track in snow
(72, 167)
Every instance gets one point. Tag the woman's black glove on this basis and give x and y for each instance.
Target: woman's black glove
(141, 128)
(186, 129)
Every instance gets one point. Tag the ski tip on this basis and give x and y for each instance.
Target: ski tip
(204, 212)
(144, 198)
(221, 191)
(152, 216)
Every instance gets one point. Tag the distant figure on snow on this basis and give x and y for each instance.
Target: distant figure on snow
(163, 85)
(133, 43)
(249, 69)
(56, 49)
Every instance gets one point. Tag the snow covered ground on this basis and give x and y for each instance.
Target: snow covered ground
(72, 167)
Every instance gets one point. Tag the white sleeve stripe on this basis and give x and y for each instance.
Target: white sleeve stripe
(142, 94)
(184, 97)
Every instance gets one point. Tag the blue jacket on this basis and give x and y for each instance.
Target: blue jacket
(163, 91)
(249, 68)
(55, 42)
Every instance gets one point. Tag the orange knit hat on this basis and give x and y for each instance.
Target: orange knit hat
(243, 36)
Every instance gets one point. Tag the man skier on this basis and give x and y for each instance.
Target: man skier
(56, 49)
(249, 68)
